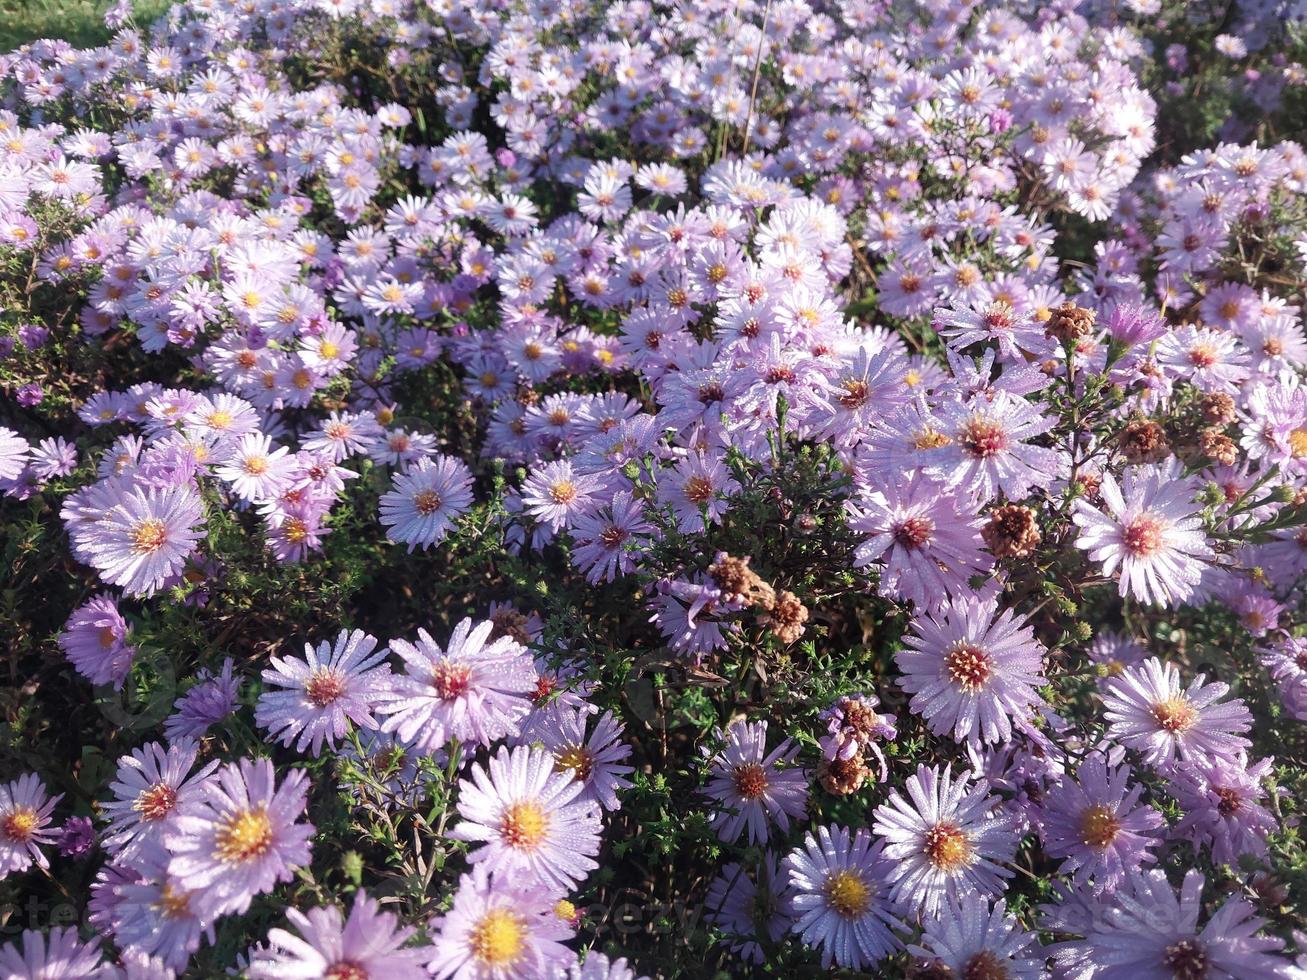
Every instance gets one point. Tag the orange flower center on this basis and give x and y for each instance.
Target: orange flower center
(968, 666)
(948, 848)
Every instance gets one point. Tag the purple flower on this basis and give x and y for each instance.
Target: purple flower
(210, 701)
(987, 453)
(95, 642)
(739, 906)
(30, 394)
(367, 944)
(971, 670)
(593, 761)
(942, 840)
(754, 787)
(924, 539)
(146, 537)
(240, 836)
(60, 956)
(1221, 809)
(555, 495)
(499, 929)
(156, 914)
(1151, 534)
(323, 692)
(842, 902)
(77, 837)
(14, 451)
(529, 819)
(1096, 823)
(970, 939)
(150, 785)
(25, 809)
(1149, 710)
(1150, 933)
(425, 501)
(476, 690)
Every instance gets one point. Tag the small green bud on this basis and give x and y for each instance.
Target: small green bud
(1283, 494)
(351, 864)
(1213, 495)
(1084, 631)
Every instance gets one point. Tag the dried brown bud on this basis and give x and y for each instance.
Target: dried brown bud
(1089, 485)
(734, 577)
(1012, 531)
(1218, 446)
(1070, 322)
(840, 777)
(510, 623)
(786, 617)
(526, 396)
(1218, 409)
(1143, 441)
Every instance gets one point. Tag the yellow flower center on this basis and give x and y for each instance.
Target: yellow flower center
(848, 894)
(948, 848)
(244, 837)
(1099, 826)
(577, 759)
(1176, 715)
(149, 536)
(19, 825)
(524, 825)
(156, 802)
(499, 939)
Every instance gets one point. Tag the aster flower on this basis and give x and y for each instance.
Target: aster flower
(151, 783)
(13, 454)
(1149, 709)
(25, 809)
(324, 692)
(1097, 824)
(155, 914)
(987, 452)
(476, 690)
(1151, 933)
(426, 500)
(1151, 534)
(210, 701)
(60, 956)
(970, 939)
(499, 928)
(240, 837)
(942, 841)
(555, 495)
(529, 819)
(971, 669)
(95, 642)
(146, 537)
(1219, 800)
(594, 761)
(740, 906)
(367, 944)
(841, 901)
(926, 540)
(753, 787)
(255, 470)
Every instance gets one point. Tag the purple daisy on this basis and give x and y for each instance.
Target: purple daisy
(367, 944)
(1097, 824)
(740, 906)
(842, 902)
(1151, 534)
(754, 787)
(971, 940)
(146, 537)
(25, 809)
(944, 842)
(477, 690)
(1221, 809)
(555, 495)
(499, 929)
(425, 501)
(240, 837)
(95, 642)
(1151, 933)
(324, 692)
(14, 451)
(157, 915)
(987, 452)
(594, 761)
(60, 956)
(925, 540)
(971, 670)
(1148, 709)
(529, 819)
(151, 784)
(597, 966)
(210, 701)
